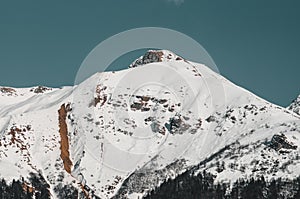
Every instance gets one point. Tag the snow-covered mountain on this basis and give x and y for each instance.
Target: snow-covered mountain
(295, 106)
(122, 134)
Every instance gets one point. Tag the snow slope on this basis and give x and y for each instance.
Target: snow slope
(295, 106)
(120, 134)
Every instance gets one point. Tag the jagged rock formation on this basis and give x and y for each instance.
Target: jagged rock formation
(8, 91)
(153, 56)
(40, 89)
(280, 142)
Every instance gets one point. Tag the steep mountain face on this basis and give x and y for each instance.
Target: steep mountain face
(123, 134)
(295, 106)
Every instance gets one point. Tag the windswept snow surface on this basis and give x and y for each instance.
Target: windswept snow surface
(130, 130)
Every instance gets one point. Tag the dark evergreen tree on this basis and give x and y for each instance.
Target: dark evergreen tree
(297, 181)
(40, 185)
(17, 190)
(3, 189)
(66, 191)
(235, 191)
(29, 194)
(273, 190)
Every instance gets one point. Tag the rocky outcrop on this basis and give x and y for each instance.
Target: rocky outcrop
(100, 96)
(153, 56)
(177, 125)
(280, 142)
(40, 89)
(8, 91)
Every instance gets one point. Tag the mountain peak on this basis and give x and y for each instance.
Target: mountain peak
(153, 56)
(295, 106)
(125, 134)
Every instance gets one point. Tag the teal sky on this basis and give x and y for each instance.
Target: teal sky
(255, 43)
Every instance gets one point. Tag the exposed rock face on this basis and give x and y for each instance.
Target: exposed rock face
(295, 106)
(40, 89)
(177, 125)
(64, 140)
(280, 142)
(153, 56)
(100, 96)
(8, 91)
(157, 128)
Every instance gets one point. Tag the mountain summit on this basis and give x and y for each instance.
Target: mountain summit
(146, 131)
(153, 56)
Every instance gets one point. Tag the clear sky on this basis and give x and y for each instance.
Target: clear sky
(255, 43)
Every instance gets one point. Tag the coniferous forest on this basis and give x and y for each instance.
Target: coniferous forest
(19, 189)
(185, 186)
(202, 186)
(36, 188)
